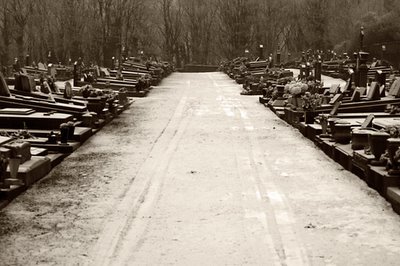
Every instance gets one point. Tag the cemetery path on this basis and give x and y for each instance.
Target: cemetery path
(196, 174)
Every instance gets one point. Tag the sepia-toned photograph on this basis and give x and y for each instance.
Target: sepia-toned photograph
(200, 132)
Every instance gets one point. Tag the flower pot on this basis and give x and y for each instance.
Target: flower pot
(64, 134)
(342, 133)
(377, 142)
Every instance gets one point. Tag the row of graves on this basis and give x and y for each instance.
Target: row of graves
(357, 123)
(42, 121)
(256, 76)
(136, 77)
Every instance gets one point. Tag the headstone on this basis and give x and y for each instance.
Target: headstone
(4, 90)
(68, 90)
(395, 88)
(45, 88)
(382, 91)
(346, 87)
(336, 98)
(356, 97)
(22, 83)
(368, 121)
(335, 108)
(362, 90)
(334, 89)
(373, 92)
(41, 65)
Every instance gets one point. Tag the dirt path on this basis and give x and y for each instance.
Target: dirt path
(196, 174)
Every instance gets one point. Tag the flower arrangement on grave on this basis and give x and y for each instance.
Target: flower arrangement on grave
(310, 101)
(296, 89)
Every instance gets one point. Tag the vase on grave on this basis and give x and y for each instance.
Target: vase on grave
(377, 142)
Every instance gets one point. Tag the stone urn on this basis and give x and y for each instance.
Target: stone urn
(377, 142)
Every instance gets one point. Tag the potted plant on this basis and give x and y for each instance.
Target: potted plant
(309, 104)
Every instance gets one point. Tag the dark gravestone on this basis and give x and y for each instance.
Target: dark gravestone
(22, 83)
(368, 121)
(4, 91)
(356, 97)
(373, 92)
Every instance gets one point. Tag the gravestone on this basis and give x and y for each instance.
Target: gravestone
(45, 88)
(335, 88)
(336, 98)
(395, 88)
(68, 90)
(41, 66)
(362, 90)
(346, 87)
(356, 97)
(335, 108)
(368, 121)
(23, 83)
(382, 91)
(373, 92)
(4, 91)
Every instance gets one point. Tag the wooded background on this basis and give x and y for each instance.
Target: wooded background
(193, 31)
